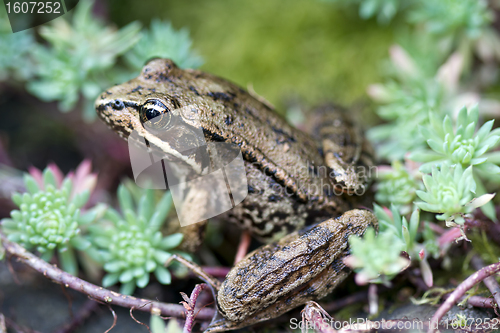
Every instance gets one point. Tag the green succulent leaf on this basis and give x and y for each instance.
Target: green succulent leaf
(125, 199)
(46, 218)
(376, 259)
(163, 275)
(171, 241)
(31, 185)
(68, 261)
(127, 288)
(163, 41)
(110, 279)
(131, 243)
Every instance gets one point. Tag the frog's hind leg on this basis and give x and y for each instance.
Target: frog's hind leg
(343, 146)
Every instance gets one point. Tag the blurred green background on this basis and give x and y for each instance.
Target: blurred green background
(311, 50)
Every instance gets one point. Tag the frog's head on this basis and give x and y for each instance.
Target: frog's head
(156, 106)
(145, 102)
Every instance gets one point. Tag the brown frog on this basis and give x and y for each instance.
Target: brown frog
(294, 180)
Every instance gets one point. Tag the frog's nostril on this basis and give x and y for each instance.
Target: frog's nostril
(118, 104)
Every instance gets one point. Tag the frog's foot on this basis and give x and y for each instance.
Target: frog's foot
(221, 324)
(317, 316)
(345, 150)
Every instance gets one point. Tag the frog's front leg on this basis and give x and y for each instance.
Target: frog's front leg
(303, 266)
(345, 149)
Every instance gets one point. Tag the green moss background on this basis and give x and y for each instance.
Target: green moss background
(311, 50)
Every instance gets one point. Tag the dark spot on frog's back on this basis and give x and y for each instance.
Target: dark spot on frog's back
(162, 77)
(136, 89)
(228, 120)
(193, 89)
(338, 264)
(213, 136)
(221, 96)
(285, 135)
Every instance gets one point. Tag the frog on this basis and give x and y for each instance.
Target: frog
(304, 188)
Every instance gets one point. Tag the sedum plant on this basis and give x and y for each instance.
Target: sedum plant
(78, 54)
(384, 10)
(376, 259)
(407, 233)
(49, 218)
(397, 224)
(14, 55)
(453, 18)
(163, 41)
(15, 62)
(419, 86)
(464, 146)
(131, 245)
(458, 154)
(460, 144)
(449, 190)
(397, 186)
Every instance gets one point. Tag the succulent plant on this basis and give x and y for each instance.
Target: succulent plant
(163, 41)
(464, 146)
(49, 216)
(449, 18)
(76, 56)
(461, 143)
(384, 10)
(376, 259)
(406, 232)
(414, 89)
(131, 245)
(397, 186)
(449, 190)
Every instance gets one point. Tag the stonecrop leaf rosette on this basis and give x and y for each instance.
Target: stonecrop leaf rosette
(131, 245)
(397, 186)
(463, 146)
(49, 217)
(376, 259)
(450, 190)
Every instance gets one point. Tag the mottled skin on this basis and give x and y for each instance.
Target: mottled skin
(289, 184)
(294, 179)
(303, 266)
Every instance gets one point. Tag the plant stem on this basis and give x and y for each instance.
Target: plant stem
(472, 280)
(190, 304)
(490, 281)
(96, 292)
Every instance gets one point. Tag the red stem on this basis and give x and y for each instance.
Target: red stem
(96, 292)
(460, 291)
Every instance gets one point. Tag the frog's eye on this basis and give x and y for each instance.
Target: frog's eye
(155, 115)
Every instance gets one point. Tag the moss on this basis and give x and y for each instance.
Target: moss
(284, 48)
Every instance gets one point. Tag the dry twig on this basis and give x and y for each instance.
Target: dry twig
(93, 291)
(460, 291)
